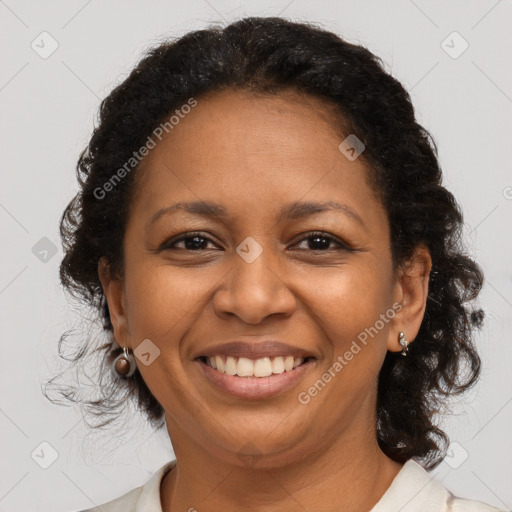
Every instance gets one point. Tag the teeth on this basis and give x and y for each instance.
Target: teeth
(263, 367)
(288, 363)
(245, 367)
(277, 365)
(231, 366)
(219, 363)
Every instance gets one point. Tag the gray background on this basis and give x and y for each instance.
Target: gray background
(47, 110)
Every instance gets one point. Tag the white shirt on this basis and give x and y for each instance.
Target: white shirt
(412, 490)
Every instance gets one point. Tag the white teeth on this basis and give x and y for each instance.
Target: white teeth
(278, 365)
(245, 367)
(263, 367)
(230, 365)
(288, 363)
(219, 363)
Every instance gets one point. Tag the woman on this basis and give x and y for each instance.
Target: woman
(263, 227)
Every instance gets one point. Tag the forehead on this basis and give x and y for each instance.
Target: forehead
(268, 122)
(260, 150)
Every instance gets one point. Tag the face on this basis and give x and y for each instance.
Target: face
(256, 268)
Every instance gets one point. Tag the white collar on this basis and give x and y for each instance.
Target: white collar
(149, 498)
(412, 490)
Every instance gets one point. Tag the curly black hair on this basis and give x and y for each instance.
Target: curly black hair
(266, 56)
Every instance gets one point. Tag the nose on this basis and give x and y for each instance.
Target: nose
(253, 291)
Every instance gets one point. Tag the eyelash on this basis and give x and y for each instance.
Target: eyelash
(342, 246)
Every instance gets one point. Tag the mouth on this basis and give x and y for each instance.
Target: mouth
(254, 379)
(253, 368)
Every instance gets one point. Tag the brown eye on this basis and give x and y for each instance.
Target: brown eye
(191, 242)
(319, 241)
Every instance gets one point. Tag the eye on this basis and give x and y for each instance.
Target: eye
(320, 241)
(196, 241)
(191, 242)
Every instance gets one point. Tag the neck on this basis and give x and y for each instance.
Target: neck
(353, 471)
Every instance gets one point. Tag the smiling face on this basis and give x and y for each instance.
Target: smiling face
(256, 265)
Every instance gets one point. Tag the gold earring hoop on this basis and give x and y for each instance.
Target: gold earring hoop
(403, 342)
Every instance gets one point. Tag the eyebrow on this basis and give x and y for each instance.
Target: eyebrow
(295, 210)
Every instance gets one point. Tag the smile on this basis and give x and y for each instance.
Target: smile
(254, 379)
(245, 367)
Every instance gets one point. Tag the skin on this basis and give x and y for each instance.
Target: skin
(254, 154)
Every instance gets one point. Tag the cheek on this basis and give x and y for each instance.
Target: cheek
(161, 298)
(348, 308)
(162, 303)
(348, 301)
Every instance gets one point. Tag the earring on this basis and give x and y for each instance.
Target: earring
(403, 342)
(124, 364)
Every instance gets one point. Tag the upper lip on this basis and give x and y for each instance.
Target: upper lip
(253, 349)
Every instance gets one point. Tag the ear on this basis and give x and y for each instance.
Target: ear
(113, 288)
(411, 290)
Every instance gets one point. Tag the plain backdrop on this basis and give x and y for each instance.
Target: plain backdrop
(50, 88)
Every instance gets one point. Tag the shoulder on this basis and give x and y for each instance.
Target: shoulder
(125, 503)
(464, 505)
(415, 490)
(143, 498)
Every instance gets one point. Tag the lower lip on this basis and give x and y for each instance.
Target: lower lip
(255, 388)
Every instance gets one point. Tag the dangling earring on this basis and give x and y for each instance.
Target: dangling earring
(403, 342)
(124, 364)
